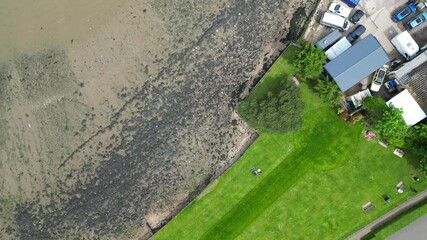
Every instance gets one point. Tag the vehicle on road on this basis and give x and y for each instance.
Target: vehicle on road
(339, 9)
(417, 21)
(405, 12)
(378, 79)
(357, 16)
(356, 33)
(335, 21)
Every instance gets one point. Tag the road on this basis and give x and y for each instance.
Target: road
(390, 215)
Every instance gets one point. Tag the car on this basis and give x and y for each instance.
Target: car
(417, 21)
(405, 12)
(395, 64)
(392, 85)
(357, 16)
(378, 79)
(339, 9)
(356, 33)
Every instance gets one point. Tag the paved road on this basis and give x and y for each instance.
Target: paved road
(415, 231)
(390, 215)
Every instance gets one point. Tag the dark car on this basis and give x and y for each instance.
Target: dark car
(357, 16)
(406, 11)
(395, 64)
(355, 34)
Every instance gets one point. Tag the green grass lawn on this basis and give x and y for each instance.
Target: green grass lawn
(400, 222)
(313, 184)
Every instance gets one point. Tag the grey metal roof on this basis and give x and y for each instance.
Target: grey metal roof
(329, 39)
(357, 62)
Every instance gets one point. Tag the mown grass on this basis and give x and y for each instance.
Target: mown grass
(400, 222)
(313, 184)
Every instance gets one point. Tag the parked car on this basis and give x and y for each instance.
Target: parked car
(391, 86)
(421, 6)
(405, 12)
(395, 64)
(339, 9)
(378, 79)
(418, 20)
(351, 3)
(357, 16)
(356, 33)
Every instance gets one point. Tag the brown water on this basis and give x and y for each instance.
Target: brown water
(30, 24)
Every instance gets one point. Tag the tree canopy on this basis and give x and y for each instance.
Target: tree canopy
(309, 61)
(328, 90)
(375, 107)
(392, 126)
(278, 111)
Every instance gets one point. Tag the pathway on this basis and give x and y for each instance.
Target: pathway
(390, 215)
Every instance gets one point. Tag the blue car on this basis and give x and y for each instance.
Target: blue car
(402, 14)
(418, 20)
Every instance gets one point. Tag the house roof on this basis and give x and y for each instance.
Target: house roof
(357, 62)
(412, 112)
(417, 84)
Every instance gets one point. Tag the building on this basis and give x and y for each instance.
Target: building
(412, 112)
(357, 63)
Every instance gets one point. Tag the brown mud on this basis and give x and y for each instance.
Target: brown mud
(105, 133)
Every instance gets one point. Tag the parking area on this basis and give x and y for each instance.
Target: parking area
(378, 22)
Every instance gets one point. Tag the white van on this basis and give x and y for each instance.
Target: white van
(405, 45)
(334, 21)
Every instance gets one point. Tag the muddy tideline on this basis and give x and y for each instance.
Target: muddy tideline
(115, 114)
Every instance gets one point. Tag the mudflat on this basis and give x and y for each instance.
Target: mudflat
(115, 114)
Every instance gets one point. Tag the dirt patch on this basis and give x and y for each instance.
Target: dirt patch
(139, 120)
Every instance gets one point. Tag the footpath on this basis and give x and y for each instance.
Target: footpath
(389, 216)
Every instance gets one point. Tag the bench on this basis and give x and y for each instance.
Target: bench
(398, 152)
(368, 207)
(400, 187)
(384, 143)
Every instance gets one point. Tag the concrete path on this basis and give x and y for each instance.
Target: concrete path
(390, 215)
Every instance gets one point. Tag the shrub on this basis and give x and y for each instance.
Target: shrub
(328, 91)
(278, 111)
(309, 61)
(392, 126)
(375, 107)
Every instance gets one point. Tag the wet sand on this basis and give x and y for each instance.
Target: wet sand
(110, 126)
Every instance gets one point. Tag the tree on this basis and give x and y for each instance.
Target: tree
(375, 107)
(328, 90)
(278, 111)
(416, 140)
(392, 126)
(309, 61)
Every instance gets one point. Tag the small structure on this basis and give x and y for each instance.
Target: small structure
(357, 62)
(398, 152)
(412, 112)
(329, 39)
(384, 143)
(341, 46)
(368, 207)
(400, 187)
(356, 100)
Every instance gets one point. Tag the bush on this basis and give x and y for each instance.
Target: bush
(375, 107)
(309, 61)
(328, 91)
(392, 126)
(279, 111)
